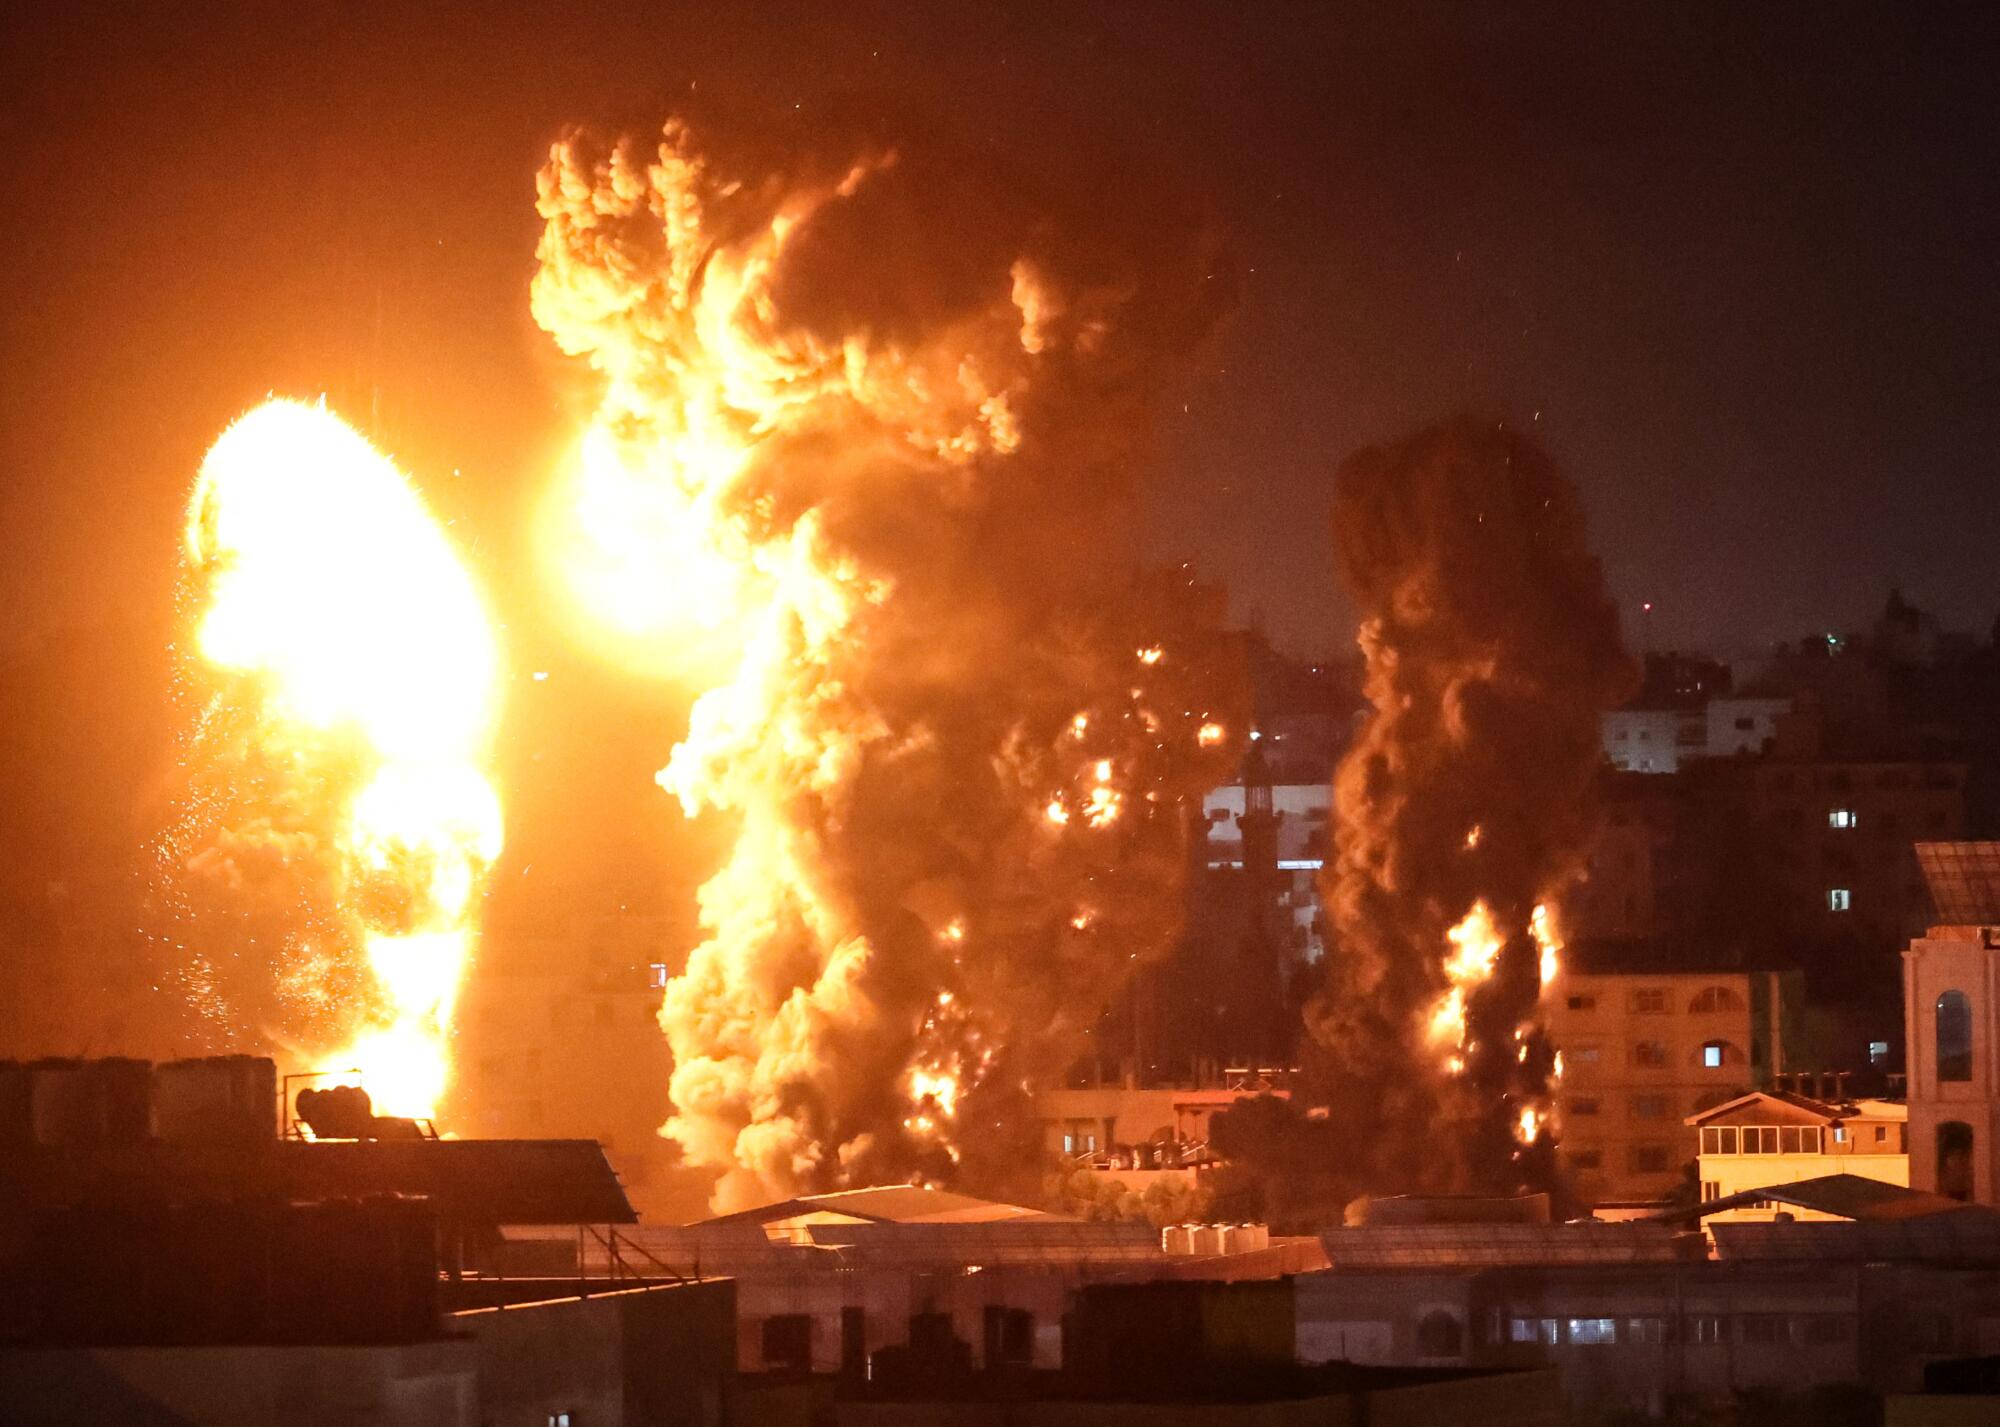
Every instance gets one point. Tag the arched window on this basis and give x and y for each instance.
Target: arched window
(1954, 1036)
(1709, 1099)
(1954, 1159)
(1715, 1054)
(1439, 1336)
(1715, 998)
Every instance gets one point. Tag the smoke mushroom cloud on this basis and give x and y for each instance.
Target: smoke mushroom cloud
(864, 449)
(1462, 811)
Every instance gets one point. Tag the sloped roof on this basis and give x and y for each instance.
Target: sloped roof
(1845, 1196)
(886, 1204)
(1832, 1112)
(1964, 881)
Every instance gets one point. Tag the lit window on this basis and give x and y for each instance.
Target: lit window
(1839, 899)
(1645, 1330)
(656, 974)
(1704, 1328)
(1711, 1055)
(1534, 1330)
(1840, 1134)
(1842, 817)
(1711, 1190)
(1593, 1330)
(1878, 1051)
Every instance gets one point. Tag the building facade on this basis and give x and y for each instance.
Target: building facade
(1769, 1138)
(1643, 1053)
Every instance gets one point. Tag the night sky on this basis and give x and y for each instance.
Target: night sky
(1735, 264)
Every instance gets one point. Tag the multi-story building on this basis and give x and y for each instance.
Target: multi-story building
(1775, 1137)
(1951, 1005)
(1642, 1053)
(1793, 852)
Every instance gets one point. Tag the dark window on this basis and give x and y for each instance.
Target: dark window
(1651, 1159)
(1583, 1158)
(1649, 1054)
(1010, 1336)
(1583, 1105)
(1762, 1328)
(1439, 1335)
(1649, 1002)
(1705, 1328)
(1954, 1159)
(1715, 998)
(788, 1341)
(1582, 1003)
(1718, 1139)
(1826, 1328)
(1649, 1107)
(1954, 1036)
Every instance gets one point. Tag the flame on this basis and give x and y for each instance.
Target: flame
(1475, 943)
(1210, 734)
(336, 597)
(1542, 924)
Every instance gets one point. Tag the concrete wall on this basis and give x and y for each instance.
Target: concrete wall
(413, 1385)
(643, 1356)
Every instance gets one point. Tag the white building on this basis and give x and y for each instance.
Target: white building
(1951, 1011)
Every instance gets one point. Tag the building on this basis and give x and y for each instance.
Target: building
(1951, 1002)
(1103, 1123)
(1775, 1137)
(1643, 1053)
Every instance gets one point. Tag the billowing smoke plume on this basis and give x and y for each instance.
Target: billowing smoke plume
(862, 464)
(1465, 804)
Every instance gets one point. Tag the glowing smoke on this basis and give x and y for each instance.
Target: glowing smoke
(861, 467)
(338, 825)
(1464, 807)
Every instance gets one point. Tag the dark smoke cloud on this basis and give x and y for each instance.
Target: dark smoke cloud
(939, 382)
(1491, 650)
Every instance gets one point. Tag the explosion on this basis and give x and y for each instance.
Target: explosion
(859, 468)
(1464, 807)
(351, 679)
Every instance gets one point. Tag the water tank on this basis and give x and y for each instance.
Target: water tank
(191, 1099)
(60, 1102)
(219, 1098)
(1260, 1235)
(121, 1096)
(17, 1105)
(1205, 1239)
(1236, 1239)
(1177, 1239)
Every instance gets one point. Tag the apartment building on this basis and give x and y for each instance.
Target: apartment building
(1643, 1053)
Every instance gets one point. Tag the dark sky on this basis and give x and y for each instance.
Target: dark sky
(1735, 263)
